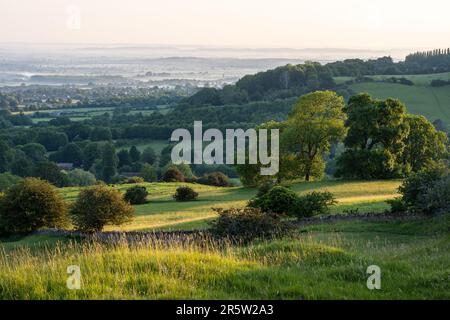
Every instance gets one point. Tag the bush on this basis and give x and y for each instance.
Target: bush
(136, 195)
(80, 178)
(437, 198)
(173, 175)
(312, 204)
(98, 206)
(185, 194)
(133, 180)
(202, 169)
(217, 179)
(148, 173)
(248, 223)
(415, 187)
(265, 188)
(184, 168)
(30, 205)
(397, 205)
(278, 200)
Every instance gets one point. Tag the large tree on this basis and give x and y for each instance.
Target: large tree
(376, 138)
(423, 145)
(316, 121)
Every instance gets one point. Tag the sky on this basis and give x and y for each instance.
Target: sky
(245, 23)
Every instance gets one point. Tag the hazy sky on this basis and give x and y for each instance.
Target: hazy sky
(259, 23)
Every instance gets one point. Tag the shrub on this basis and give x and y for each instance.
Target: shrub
(185, 194)
(217, 179)
(136, 195)
(80, 178)
(184, 168)
(265, 188)
(278, 200)
(30, 205)
(248, 223)
(173, 175)
(133, 180)
(437, 198)
(397, 205)
(148, 173)
(312, 204)
(98, 206)
(415, 187)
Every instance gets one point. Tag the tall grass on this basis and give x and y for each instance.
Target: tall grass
(327, 263)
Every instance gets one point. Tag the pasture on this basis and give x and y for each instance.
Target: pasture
(163, 212)
(421, 98)
(322, 261)
(433, 103)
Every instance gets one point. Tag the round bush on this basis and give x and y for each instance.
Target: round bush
(278, 200)
(81, 178)
(265, 188)
(248, 223)
(173, 175)
(217, 179)
(30, 205)
(98, 206)
(415, 187)
(133, 180)
(437, 199)
(136, 195)
(185, 194)
(312, 204)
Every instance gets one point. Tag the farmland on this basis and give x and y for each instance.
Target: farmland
(421, 98)
(324, 261)
(162, 212)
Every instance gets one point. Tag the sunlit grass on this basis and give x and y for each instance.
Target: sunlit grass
(324, 262)
(163, 212)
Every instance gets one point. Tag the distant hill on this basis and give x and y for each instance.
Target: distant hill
(294, 80)
(279, 83)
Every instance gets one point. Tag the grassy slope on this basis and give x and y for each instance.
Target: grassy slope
(162, 212)
(433, 103)
(325, 262)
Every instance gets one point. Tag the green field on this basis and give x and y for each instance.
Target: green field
(82, 114)
(323, 261)
(432, 102)
(418, 79)
(162, 212)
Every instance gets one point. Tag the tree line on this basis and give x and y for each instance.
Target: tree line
(379, 140)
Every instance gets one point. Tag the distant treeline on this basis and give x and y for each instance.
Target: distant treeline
(279, 83)
(130, 101)
(416, 63)
(295, 80)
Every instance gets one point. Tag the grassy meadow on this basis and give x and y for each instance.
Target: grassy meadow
(433, 103)
(421, 98)
(322, 261)
(163, 212)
